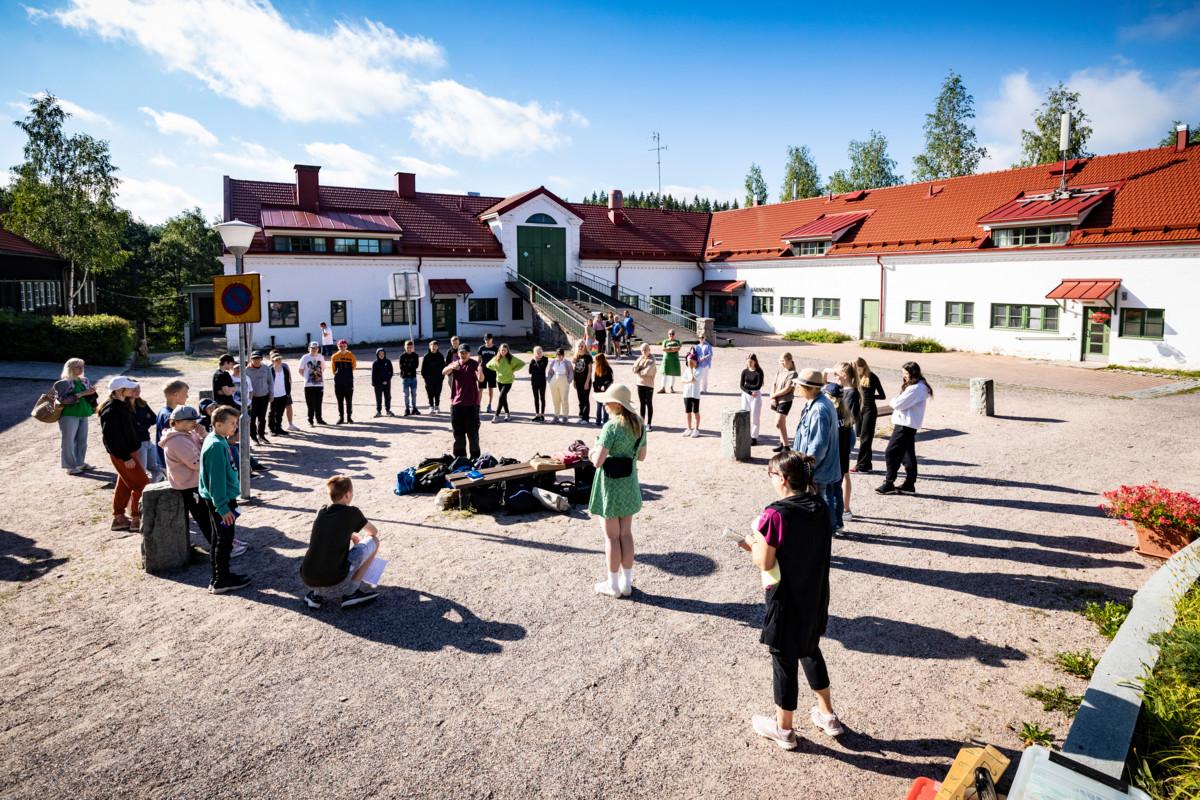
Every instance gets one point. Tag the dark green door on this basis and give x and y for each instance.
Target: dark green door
(542, 254)
(1096, 325)
(870, 319)
(723, 308)
(445, 322)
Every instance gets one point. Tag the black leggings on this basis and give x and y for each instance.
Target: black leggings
(383, 397)
(581, 393)
(434, 391)
(345, 397)
(785, 670)
(646, 399)
(866, 435)
(199, 511)
(313, 397)
(502, 403)
(901, 449)
(539, 397)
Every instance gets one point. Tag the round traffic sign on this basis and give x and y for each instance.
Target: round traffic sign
(236, 299)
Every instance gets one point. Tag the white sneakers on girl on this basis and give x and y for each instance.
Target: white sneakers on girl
(768, 728)
(607, 588)
(827, 722)
(695, 433)
(687, 432)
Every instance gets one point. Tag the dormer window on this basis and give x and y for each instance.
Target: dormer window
(1031, 236)
(815, 238)
(818, 248)
(541, 219)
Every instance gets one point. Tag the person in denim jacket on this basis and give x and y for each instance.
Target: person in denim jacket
(817, 435)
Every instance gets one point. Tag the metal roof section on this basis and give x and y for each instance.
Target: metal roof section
(350, 221)
(827, 227)
(1084, 289)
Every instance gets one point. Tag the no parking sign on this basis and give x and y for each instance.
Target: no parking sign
(236, 299)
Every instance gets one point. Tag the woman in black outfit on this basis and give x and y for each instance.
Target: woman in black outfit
(431, 371)
(869, 390)
(602, 378)
(537, 382)
(793, 535)
(583, 379)
(751, 385)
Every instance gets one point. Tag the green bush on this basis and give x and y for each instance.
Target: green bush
(1056, 699)
(918, 345)
(97, 339)
(820, 335)
(1108, 617)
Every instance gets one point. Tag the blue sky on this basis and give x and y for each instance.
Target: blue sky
(500, 98)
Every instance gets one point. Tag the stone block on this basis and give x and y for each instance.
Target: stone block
(983, 396)
(735, 435)
(706, 325)
(164, 529)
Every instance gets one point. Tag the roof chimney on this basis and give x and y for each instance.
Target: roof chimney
(1181, 137)
(308, 187)
(616, 206)
(406, 184)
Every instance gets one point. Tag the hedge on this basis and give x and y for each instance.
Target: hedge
(97, 339)
(915, 345)
(821, 335)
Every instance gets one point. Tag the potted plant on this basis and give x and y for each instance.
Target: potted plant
(1100, 317)
(1165, 521)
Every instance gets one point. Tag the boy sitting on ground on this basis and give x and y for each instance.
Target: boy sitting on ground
(338, 556)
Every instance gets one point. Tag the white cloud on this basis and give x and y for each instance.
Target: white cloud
(1002, 118)
(467, 121)
(154, 201)
(161, 161)
(170, 123)
(74, 109)
(422, 168)
(1170, 25)
(253, 161)
(342, 165)
(578, 119)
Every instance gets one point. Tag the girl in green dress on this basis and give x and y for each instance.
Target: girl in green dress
(670, 363)
(616, 500)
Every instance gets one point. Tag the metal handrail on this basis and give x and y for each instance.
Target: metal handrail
(572, 321)
(672, 314)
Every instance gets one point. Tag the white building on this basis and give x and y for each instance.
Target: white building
(1103, 268)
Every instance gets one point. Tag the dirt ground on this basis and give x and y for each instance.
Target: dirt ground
(489, 668)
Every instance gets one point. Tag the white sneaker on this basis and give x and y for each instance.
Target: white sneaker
(238, 549)
(827, 722)
(695, 433)
(649, 429)
(847, 516)
(687, 432)
(767, 728)
(293, 427)
(74, 470)
(605, 588)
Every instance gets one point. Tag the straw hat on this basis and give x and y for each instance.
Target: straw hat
(812, 378)
(617, 393)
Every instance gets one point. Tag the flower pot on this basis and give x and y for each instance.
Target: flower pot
(1160, 544)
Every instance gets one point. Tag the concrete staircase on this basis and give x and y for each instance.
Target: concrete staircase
(647, 327)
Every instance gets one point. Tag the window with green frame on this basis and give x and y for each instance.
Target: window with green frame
(916, 312)
(811, 248)
(1031, 236)
(827, 307)
(363, 247)
(687, 302)
(959, 313)
(483, 309)
(1142, 323)
(1024, 318)
(518, 308)
(660, 303)
(299, 244)
(337, 312)
(283, 314)
(397, 312)
(791, 306)
(762, 304)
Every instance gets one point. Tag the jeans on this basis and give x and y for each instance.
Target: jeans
(345, 400)
(502, 403)
(581, 394)
(148, 455)
(601, 414)
(313, 397)
(753, 404)
(127, 494)
(74, 441)
(831, 493)
(539, 397)
(258, 415)
(646, 402)
(410, 393)
(383, 397)
(464, 422)
(222, 544)
(786, 676)
(901, 449)
(195, 506)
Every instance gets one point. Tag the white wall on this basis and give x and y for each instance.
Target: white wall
(504, 228)
(674, 278)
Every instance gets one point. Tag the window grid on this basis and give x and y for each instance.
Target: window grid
(397, 312)
(299, 244)
(762, 304)
(1032, 236)
(960, 313)
(1023, 317)
(791, 306)
(811, 248)
(917, 312)
(337, 312)
(363, 247)
(1142, 323)
(827, 307)
(283, 314)
(483, 309)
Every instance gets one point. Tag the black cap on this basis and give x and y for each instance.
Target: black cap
(256, 354)
(464, 348)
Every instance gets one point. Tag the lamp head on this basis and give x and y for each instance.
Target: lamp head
(236, 235)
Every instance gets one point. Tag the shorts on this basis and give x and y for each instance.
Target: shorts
(489, 379)
(347, 586)
(783, 407)
(691, 405)
(282, 401)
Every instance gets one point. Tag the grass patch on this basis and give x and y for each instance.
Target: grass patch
(1031, 733)
(1168, 373)
(820, 336)
(918, 345)
(1166, 748)
(1080, 663)
(1056, 699)
(1107, 617)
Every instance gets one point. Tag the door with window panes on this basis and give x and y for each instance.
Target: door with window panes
(1097, 322)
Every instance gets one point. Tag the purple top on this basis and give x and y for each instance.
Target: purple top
(770, 525)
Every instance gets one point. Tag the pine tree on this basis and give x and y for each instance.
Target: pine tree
(756, 187)
(950, 145)
(800, 176)
(1193, 135)
(1040, 145)
(870, 166)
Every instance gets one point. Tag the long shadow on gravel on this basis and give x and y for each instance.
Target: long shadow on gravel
(1081, 544)
(865, 752)
(1001, 552)
(1089, 510)
(891, 637)
(987, 481)
(21, 559)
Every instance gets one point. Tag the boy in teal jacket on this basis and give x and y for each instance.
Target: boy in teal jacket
(219, 488)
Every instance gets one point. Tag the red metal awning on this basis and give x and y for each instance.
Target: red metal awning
(449, 286)
(826, 227)
(1048, 206)
(1084, 289)
(719, 287)
(356, 221)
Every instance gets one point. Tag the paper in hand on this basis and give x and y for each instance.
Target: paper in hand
(375, 572)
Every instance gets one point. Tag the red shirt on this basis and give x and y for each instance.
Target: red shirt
(464, 383)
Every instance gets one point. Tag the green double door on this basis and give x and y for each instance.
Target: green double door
(542, 254)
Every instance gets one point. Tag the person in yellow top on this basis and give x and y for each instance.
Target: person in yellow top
(505, 365)
(343, 363)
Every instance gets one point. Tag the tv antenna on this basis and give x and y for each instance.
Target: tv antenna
(1064, 144)
(657, 150)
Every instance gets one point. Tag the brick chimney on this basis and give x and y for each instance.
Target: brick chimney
(406, 184)
(616, 206)
(1181, 137)
(307, 187)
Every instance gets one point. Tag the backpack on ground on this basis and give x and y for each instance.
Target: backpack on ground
(406, 481)
(430, 478)
(551, 500)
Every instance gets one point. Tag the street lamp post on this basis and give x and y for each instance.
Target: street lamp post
(237, 236)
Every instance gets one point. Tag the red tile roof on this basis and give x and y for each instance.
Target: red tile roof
(826, 226)
(11, 244)
(1084, 289)
(514, 200)
(1070, 206)
(449, 286)
(643, 233)
(357, 221)
(1157, 203)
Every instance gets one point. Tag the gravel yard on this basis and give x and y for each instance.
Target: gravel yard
(489, 668)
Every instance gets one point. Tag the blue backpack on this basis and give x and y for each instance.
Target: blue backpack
(406, 481)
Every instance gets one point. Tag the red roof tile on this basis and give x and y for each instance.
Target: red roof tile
(1046, 205)
(643, 233)
(357, 221)
(826, 226)
(514, 200)
(11, 244)
(449, 286)
(1084, 289)
(1158, 203)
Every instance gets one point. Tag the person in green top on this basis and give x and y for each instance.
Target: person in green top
(78, 398)
(505, 365)
(219, 488)
(670, 362)
(616, 498)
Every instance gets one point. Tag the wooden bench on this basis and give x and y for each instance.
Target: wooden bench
(493, 475)
(883, 337)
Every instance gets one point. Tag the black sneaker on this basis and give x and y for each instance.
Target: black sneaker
(281, 432)
(778, 448)
(887, 488)
(263, 440)
(230, 583)
(906, 488)
(340, 421)
(754, 442)
(359, 597)
(313, 600)
(416, 412)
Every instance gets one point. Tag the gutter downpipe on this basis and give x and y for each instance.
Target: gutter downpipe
(618, 288)
(882, 304)
(420, 310)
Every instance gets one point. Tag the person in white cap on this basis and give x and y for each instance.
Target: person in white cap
(616, 493)
(121, 440)
(312, 367)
